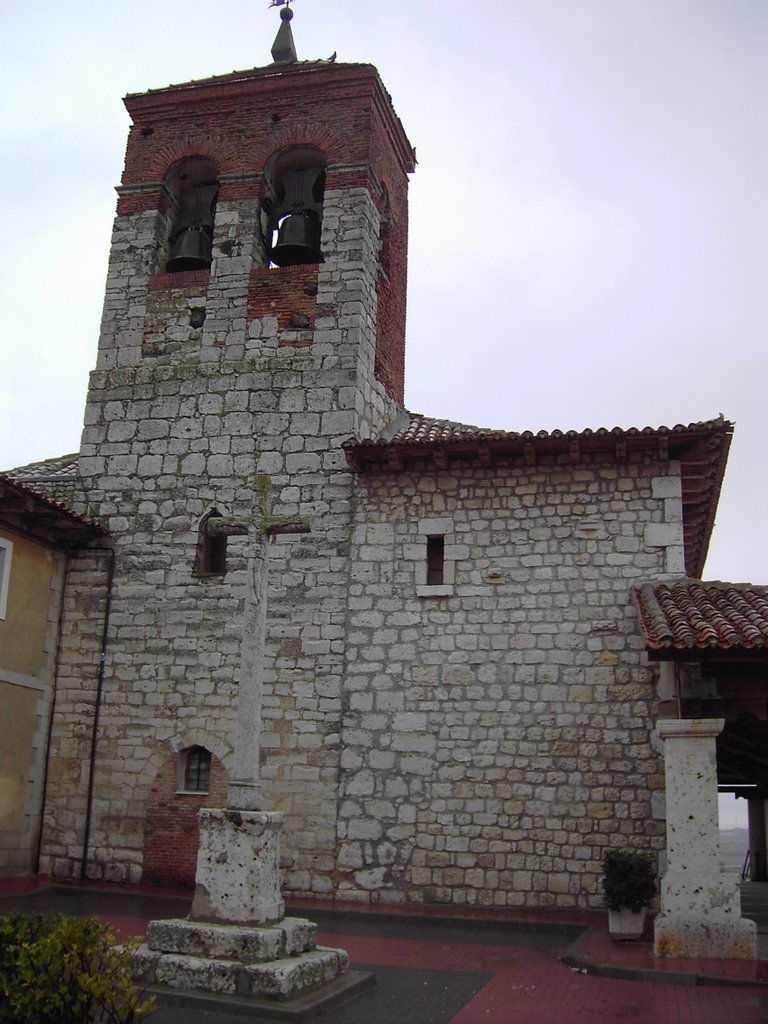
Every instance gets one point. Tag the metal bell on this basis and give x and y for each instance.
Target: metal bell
(298, 240)
(192, 244)
(191, 250)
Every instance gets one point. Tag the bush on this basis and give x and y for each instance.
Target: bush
(65, 970)
(629, 879)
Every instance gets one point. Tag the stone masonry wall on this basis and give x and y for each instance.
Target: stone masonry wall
(498, 731)
(69, 760)
(174, 429)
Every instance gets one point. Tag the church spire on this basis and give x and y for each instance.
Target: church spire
(283, 49)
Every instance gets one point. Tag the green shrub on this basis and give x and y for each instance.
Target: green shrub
(629, 879)
(65, 970)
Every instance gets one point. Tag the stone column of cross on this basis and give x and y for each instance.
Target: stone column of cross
(244, 792)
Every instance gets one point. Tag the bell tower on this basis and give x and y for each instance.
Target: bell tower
(263, 209)
(254, 319)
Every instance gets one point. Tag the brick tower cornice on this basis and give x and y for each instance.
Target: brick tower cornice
(270, 95)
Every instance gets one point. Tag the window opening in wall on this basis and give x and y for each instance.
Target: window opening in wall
(435, 560)
(196, 770)
(216, 561)
(6, 550)
(194, 186)
(212, 546)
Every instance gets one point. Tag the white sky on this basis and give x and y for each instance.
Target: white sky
(589, 221)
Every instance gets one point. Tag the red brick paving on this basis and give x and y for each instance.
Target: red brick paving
(531, 986)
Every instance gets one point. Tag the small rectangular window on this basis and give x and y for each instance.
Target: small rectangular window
(197, 770)
(435, 561)
(6, 550)
(216, 561)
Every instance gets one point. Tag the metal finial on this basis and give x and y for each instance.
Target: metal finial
(283, 49)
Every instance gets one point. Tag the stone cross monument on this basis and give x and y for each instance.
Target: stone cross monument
(237, 940)
(238, 863)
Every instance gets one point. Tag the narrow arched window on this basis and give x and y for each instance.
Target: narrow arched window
(215, 530)
(194, 187)
(211, 546)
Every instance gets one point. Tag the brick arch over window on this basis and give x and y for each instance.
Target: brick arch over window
(171, 833)
(153, 164)
(333, 145)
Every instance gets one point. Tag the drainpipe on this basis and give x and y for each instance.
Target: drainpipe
(97, 708)
(51, 715)
(678, 689)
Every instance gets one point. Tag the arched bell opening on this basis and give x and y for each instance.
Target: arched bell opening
(194, 187)
(293, 203)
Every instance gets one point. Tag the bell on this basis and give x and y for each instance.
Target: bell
(298, 240)
(191, 250)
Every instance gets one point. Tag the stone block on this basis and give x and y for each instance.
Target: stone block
(218, 942)
(238, 877)
(298, 935)
(662, 535)
(290, 977)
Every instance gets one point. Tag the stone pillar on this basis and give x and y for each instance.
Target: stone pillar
(700, 906)
(757, 844)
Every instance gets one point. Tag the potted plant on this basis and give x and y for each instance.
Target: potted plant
(629, 885)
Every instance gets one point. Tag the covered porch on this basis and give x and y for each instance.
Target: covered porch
(711, 640)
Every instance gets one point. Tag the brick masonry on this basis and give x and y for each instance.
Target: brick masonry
(171, 833)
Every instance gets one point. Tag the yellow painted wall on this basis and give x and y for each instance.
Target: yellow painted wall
(18, 723)
(27, 639)
(25, 627)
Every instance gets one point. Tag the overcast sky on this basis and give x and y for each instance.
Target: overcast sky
(589, 221)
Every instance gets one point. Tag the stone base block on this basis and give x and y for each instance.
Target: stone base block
(276, 980)
(703, 919)
(238, 868)
(709, 937)
(279, 962)
(286, 978)
(290, 937)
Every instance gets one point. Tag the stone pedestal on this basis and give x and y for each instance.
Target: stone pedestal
(275, 963)
(237, 941)
(238, 867)
(700, 906)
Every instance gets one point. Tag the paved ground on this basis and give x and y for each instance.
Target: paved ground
(538, 968)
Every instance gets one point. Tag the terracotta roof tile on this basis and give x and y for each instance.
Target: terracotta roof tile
(65, 466)
(57, 479)
(690, 615)
(701, 449)
(31, 511)
(427, 430)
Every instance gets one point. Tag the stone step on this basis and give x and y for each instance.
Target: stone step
(278, 979)
(290, 937)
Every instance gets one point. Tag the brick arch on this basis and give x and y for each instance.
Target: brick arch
(211, 145)
(171, 832)
(333, 145)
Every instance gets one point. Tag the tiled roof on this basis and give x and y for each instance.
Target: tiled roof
(31, 512)
(57, 479)
(65, 466)
(424, 430)
(701, 448)
(692, 616)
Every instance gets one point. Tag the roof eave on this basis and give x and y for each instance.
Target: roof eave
(30, 514)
